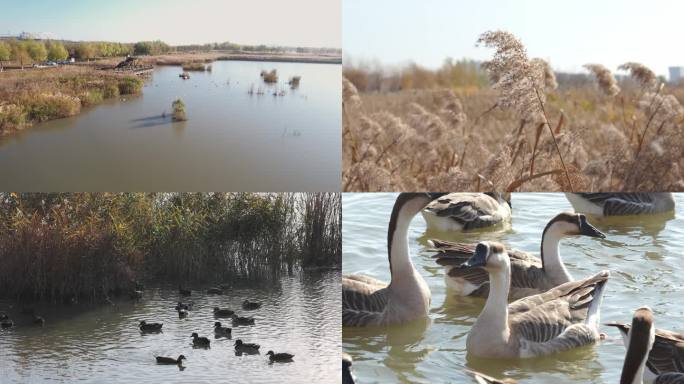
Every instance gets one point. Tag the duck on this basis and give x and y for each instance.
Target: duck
(462, 211)
(180, 305)
(199, 341)
(622, 204)
(367, 301)
(250, 305)
(221, 331)
(641, 338)
(530, 275)
(248, 348)
(347, 374)
(151, 327)
(282, 356)
(481, 378)
(239, 320)
(182, 313)
(38, 320)
(184, 292)
(7, 323)
(667, 349)
(559, 319)
(223, 312)
(170, 360)
(214, 291)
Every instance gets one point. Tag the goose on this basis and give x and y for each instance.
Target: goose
(250, 305)
(184, 292)
(529, 274)
(282, 356)
(182, 313)
(239, 320)
(462, 211)
(180, 305)
(367, 301)
(481, 378)
(639, 341)
(622, 204)
(199, 341)
(562, 318)
(38, 320)
(667, 352)
(347, 375)
(221, 331)
(249, 348)
(170, 360)
(214, 291)
(223, 312)
(151, 327)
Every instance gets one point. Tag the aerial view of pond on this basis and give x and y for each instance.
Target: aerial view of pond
(233, 139)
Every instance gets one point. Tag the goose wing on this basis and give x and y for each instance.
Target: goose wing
(621, 204)
(469, 210)
(667, 354)
(363, 299)
(670, 378)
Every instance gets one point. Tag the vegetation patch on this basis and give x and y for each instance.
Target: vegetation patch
(178, 110)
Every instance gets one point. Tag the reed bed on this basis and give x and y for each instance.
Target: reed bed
(89, 246)
(521, 133)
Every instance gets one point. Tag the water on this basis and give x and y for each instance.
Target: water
(299, 315)
(231, 142)
(644, 256)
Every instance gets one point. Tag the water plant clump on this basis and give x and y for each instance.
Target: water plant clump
(178, 110)
(270, 77)
(196, 66)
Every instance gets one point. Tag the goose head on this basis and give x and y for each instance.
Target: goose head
(500, 197)
(489, 255)
(217, 324)
(194, 335)
(238, 342)
(572, 224)
(640, 340)
(181, 357)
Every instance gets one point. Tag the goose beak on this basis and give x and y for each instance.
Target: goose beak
(478, 259)
(587, 229)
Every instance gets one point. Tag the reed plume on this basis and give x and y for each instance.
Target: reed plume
(606, 80)
(641, 73)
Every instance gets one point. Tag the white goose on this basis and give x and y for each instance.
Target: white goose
(529, 275)
(622, 204)
(462, 211)
(562, 318)
(666, 352)
(641, 337)
(367, 301)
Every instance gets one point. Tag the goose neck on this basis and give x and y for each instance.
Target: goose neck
(495, 313)
(552, 263)
(399, 256)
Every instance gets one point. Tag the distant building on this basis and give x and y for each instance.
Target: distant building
(676, 74)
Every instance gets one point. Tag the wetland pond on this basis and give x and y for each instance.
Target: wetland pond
(644, 255)
(232, 140)
(300, 314)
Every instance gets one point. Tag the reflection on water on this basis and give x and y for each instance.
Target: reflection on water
(300, 315)
(232, 141)
(643, 253)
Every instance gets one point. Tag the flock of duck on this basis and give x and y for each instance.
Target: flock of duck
(219, 330)
(533, 306)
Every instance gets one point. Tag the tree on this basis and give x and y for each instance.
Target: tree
(57, 52)
(5, 53)
(36, 50)
(85, 51)
(19, 53)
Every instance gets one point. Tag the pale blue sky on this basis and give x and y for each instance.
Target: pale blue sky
(312, 23)
(567, 33)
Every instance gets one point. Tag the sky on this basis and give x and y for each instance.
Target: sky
(310, 23)
(566, 33)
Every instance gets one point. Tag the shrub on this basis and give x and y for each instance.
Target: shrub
(130, 85)
(178, 110)
(45, 107)
(270, 77)
(12, 117)
(91, 97)
(110, 90)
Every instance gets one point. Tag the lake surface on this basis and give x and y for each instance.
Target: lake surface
(644, 256)
(232, 141)
(300, 315)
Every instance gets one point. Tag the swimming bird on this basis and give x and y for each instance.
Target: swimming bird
(481, 378)
(182, 313)
(640, 339)
(214, 291)
(367, 301)
(560, 319)
(180, 305)
(199, 341)
(170, 360)
(279, 356)
(7, 323)
(184, 292)
(239, 320)
(248, 348)
(38, 320)
(347, 375)
(151, 327)
(250, 305)
(622, 204)
(667, 350)
(223, 312)
(221, 331)
(529, 275)
(463, 211)
(135, 295)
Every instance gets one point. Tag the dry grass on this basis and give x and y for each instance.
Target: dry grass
(521, 134)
